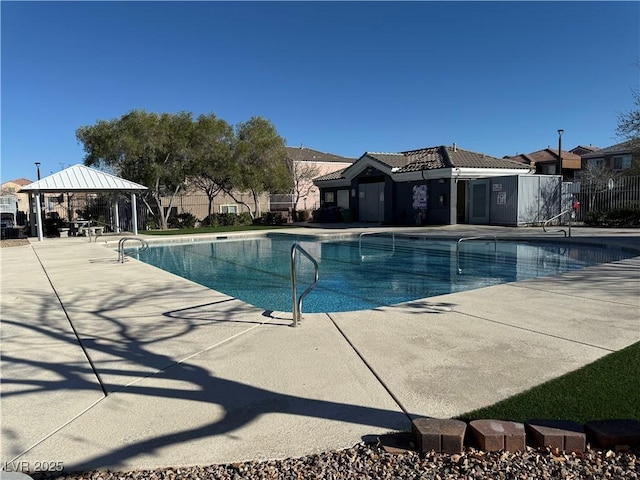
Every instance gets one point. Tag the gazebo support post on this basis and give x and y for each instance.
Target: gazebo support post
(134, 213)
(116, 214)
(39, 210)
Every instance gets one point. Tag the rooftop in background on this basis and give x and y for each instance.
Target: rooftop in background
(548, 155)
(582, 150)
(622, 147)
(304, 154)
(19, 181)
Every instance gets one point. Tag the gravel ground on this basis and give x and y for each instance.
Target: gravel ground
(13, 242)
(373, 462)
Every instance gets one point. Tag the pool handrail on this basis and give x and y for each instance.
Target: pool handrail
(393, 241)
(297, 304)
(476, 237)
(123, 240)
(570, 211)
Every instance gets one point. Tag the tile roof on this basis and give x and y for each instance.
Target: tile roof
(622, 147)
(467, 159)
(433, 158)
(583, 150)
(337, 175)
(548, 155)
(388, 159)
(20, 181)
(81, 178)
(303, 154)
(451, 157)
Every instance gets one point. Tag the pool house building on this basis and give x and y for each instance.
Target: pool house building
(439, 185)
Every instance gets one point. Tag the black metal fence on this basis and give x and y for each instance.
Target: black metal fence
(605, 195)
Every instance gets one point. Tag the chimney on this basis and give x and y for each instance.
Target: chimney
(455, 147)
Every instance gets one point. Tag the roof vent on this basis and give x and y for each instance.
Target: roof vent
(455, 147)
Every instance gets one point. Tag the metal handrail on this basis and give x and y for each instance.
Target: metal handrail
(393, 241)
(544, 224)
(123, 240)
(297, 305)
(477, 237)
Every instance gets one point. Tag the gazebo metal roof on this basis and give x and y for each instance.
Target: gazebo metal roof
(79, 178)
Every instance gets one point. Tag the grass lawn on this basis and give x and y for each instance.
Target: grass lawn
(193, 231)
(605, 389)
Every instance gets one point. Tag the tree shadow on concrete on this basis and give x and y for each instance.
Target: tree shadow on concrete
(126, 350)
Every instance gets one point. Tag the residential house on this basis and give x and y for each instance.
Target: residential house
(307, 164)
(11, 188)
(546, 162)
(617, 158)
(435, 185)
(582, 150)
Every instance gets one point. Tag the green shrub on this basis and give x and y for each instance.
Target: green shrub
(227, 220)
(594, 218)
(152, 223)
(302, 215)
(245, 219)
(270, 218)
(628, 216)
(184, 220)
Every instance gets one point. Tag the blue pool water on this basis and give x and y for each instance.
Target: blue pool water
(358, 275)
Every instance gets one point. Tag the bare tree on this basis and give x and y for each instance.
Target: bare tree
(303, 174)
(595, 179)
(628, 127)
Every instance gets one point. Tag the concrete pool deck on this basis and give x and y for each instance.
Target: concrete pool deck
(194, 377)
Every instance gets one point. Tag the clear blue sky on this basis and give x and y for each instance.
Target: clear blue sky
(498, 78)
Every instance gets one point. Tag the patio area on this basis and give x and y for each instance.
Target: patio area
(114, 365)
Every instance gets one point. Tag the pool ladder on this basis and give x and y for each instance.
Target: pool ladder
(144, 245)
(297, 303)
(393, 245)
(571, 216)
(478, 237)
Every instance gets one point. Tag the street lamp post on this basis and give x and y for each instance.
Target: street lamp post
(560, 132)
(37, 222)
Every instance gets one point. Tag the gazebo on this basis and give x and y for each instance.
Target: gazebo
(80, 178)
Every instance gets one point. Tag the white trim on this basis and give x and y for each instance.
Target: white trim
(361, 165)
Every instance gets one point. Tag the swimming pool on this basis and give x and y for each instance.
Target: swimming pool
(368, 272)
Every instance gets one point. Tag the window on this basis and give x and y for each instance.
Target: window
(229, 209)
(343, 198)
(329, 197)
(621, 162)
(174, 211)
